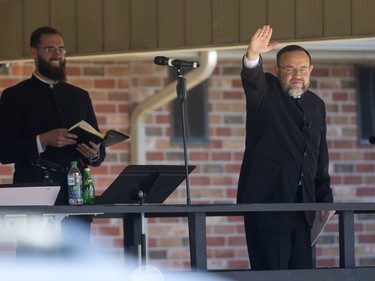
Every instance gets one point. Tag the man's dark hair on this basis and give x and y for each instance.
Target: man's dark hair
(37, 34)
(291, 48)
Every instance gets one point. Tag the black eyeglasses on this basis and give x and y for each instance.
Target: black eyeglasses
(290, 70)
(53, 49)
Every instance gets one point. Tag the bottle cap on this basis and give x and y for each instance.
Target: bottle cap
(73, 163)
(86, 169)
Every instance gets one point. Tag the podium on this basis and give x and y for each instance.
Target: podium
(141, 184)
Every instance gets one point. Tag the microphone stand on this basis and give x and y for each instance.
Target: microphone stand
(181, 94)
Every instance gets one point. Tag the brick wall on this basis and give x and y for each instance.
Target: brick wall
(116, 87)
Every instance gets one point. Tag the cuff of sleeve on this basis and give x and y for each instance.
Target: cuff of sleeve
(39, 145)
(250, 63)
(94, 158)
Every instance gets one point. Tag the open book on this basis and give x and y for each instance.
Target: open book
(319, 225)
(87, 133)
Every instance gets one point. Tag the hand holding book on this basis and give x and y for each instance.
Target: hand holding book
(87, 133)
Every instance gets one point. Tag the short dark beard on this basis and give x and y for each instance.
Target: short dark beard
(50, 72)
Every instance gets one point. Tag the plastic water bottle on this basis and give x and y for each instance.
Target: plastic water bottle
(88, 189)
(74, 185)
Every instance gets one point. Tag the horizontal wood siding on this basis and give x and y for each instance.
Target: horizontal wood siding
(122, 26)
(337, 18)
(225, 22)
(90, 26)
(170, 23)
(11, 29)
(143, 25)
(116, 25)
(281, 16)
(363, 17)
(64, 19)
(253, 14)
(37, 13)
(309, 19)
(198, 19)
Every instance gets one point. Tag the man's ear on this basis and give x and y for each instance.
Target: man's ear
(311, 68)
(277, 70)
(33, 52)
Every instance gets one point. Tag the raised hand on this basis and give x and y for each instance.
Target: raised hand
(260, 42)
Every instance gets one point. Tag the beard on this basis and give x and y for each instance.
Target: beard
(52, 72)
(293, 92)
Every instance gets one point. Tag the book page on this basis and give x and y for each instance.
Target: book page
(87, 127)
(319, 225)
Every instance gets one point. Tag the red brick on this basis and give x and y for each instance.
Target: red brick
(223, 132)
(152, 156)
(237, 83)
(365, 168)
(341, 72)
(348, 108)
(329, 84)
(366, 238)
(236, 241)
(121, 71)
(224, 253)
(233, 95)
(73, 71)
(320, 72)
(107, 108)
(104, 83)
(215, 241)
(199, 156)
(233, 168)
(21, 70)
(162, 119)
(113, 231)
(342, 144)
(7, 82)
(222, 180)
(231, 193)
(365, 191)
(201, 180)
(340, 96)
(239, 264)
(82, 83)
(352, 180)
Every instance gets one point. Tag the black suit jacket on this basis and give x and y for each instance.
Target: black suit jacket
(285, 144)
(33, 107)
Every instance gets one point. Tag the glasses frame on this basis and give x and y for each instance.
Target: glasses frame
(292, 70)
(52, 49)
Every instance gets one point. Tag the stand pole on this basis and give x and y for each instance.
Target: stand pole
(141, 196)
(181, 94)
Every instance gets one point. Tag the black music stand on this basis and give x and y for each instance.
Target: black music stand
(144, 184)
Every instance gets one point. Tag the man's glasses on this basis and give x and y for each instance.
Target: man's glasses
(290, 70)
(52, 49)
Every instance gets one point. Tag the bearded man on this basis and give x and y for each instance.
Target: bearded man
(286, 154)
(36, 113)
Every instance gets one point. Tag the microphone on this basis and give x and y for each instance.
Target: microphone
(371, 139)
(176, 63)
